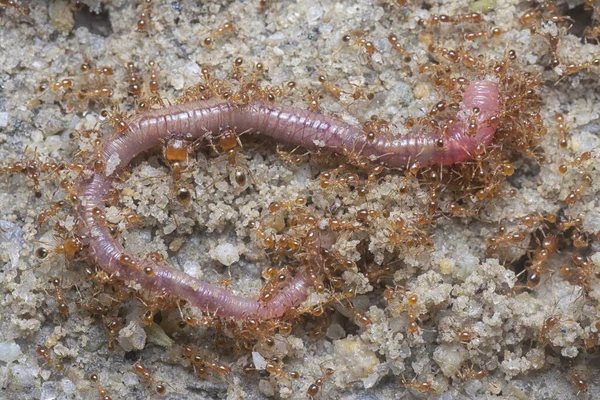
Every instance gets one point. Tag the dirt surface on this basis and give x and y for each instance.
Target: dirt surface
(473, 313)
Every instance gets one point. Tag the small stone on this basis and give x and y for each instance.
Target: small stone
(258, 360)
(9, 351)
(112, 164)
(130, 380)
(61, 16)
(23, 376)
(446, 266)
(314, 14)
(569, 352)
(371, 380)
(421, 90)
(3, 119)
(68, 387)
(157, 336)
(193, 268)
(335, 332)
(62, 351)
(266, 388)
(226, 254)
(472, 387)
(450, 357)
(132, 337)
(363, 362)
(482, 6)
(49, 391)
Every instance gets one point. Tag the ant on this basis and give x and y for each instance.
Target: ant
(63, 307)
(424, 387)
(176, 151)
(200, 365)
(229, 143)
(142, 371)
(226, 28)
(43, 353)
(367, 46)
(315, 387)
(103, 392)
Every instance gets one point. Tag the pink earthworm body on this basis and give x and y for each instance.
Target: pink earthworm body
(284, 124)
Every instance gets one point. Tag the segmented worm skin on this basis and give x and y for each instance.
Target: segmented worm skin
(284, 124)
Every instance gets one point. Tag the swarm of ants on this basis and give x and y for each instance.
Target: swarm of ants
(352, 242)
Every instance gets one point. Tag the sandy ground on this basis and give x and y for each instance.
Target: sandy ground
(460, 289)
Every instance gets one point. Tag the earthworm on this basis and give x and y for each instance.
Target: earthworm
(284, 124)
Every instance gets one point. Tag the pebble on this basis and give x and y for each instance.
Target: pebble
(314, 14)
(226, 254)
(9, 351)
(3, 119)
(132, 337)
